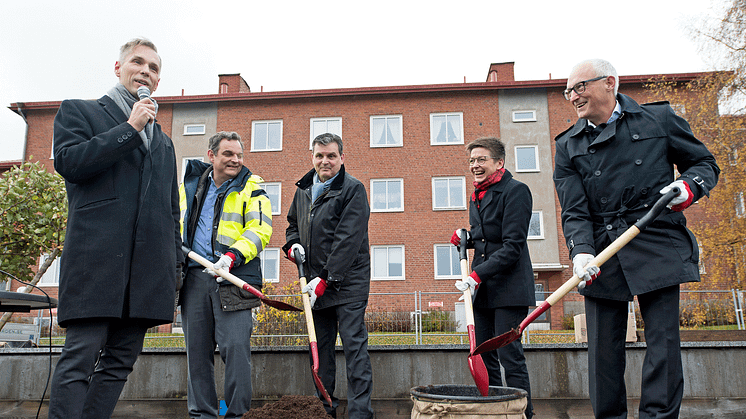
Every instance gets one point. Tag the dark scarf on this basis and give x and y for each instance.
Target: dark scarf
(480, 188)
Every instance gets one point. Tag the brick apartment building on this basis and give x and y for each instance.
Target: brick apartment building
(407, 145)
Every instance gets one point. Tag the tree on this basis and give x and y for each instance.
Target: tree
(33, 216)
(715, 108)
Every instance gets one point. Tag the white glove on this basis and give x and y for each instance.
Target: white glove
(471, 282)
(225, 263)
(684, 197)
(586, 273)
(291, 253)
(315, 289)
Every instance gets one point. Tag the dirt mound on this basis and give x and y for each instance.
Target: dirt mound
(290, 407)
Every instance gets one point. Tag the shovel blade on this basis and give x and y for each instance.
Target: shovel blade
(479, 373)
(315, 372)
(280, 305)
(497, 342)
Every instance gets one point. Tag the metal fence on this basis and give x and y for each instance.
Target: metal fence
(428, 318)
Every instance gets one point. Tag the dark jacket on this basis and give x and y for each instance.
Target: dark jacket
(605, 184)
(499, 228)
(334, 234)
(122, 242)
(255, 226)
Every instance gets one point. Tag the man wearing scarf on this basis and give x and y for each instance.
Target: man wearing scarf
(502, 279)
(121, 263)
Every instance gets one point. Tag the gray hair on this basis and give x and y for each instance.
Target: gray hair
(600, 68)
(327, 138)
(214, 142)
(127, 48)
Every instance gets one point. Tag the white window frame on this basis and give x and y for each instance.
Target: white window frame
(51, 277)
(276, 261)
(315, 134)
(199, 132)
(460, 134)
(449, 179)
(401, 191)
(452, 249)
(540, 215)
(254, 130)
(536, 158)
(278, 209)
(184, 161)
(399, 133)
(531, 118)
(373, 261)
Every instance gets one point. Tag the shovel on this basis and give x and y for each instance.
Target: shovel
(605, 255)
(299, 259)
(476, 363)
(280, 305)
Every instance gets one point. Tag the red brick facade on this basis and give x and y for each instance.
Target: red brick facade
(418, 227)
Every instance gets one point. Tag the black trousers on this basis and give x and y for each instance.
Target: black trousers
(491, 322)
(349, 321)
(662, 373)
(93, 367)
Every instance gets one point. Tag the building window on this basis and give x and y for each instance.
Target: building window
(733, 157)
(449, 193)
(527, 158)
(388, 262)
(540, 295)
(266, 136)
(270, 258)
(51, 277)
(386, 131)
(194, 129)
(447, 263)
(386, 195)
(446, 128)
(184, 162)
(524, 116)
(274, 192)
(701, 261)
(323, 125)
(536, 226)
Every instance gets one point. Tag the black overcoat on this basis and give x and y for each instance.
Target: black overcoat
(606, 184)
(334, 233)
(122, 242)
(499, 228)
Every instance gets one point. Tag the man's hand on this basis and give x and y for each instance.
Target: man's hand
(224, 263)
(684, 199)
(291, 253)
(142, 113)
(315, 289)
(586, 273)
(471, 282)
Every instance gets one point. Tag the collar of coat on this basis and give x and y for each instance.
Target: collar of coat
(493, 190)
(628, 105)
(307, 180)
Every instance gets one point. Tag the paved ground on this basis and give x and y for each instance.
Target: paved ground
(400, 409)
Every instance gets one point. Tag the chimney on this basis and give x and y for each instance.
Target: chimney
(232, 83)
(500, 72)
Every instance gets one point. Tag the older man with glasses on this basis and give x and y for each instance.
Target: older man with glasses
(609, 170)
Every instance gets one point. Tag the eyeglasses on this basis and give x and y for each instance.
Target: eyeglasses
(480, 161)
(580, 86)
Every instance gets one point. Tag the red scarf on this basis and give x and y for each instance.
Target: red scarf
(480, 188)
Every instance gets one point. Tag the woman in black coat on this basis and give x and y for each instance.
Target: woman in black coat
(502, 279)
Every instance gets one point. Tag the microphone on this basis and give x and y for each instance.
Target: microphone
(143, 92)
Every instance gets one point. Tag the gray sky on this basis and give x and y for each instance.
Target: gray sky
(54, 50)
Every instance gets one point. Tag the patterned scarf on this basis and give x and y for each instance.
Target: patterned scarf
(480, 188)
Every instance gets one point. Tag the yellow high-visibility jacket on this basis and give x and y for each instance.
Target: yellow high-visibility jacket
(242, 223)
